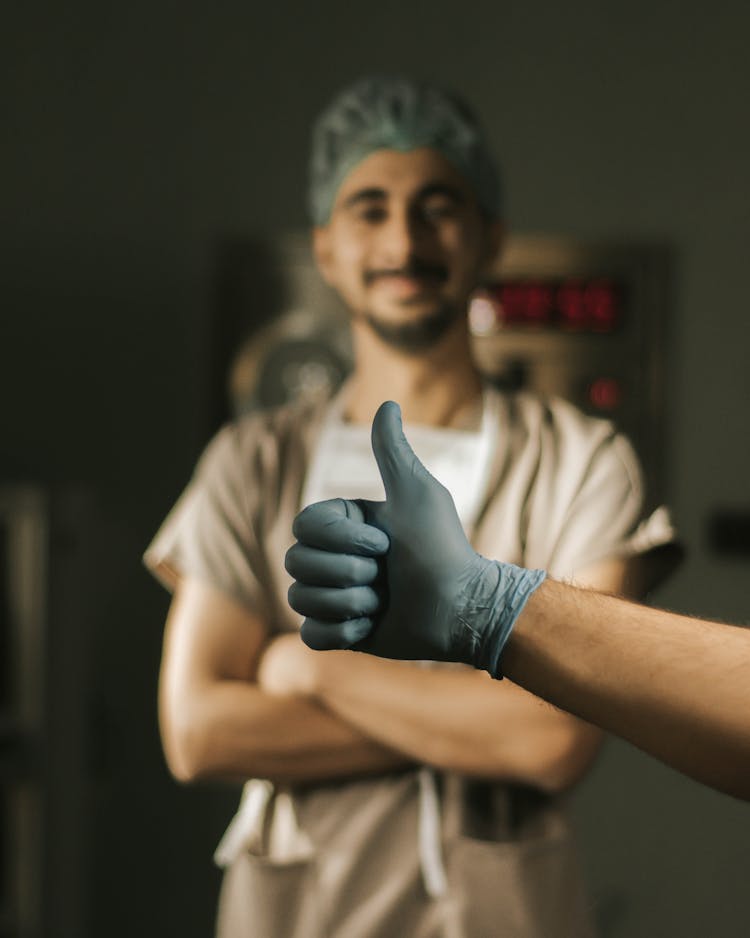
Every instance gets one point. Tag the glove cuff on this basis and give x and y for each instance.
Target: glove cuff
(504, 592)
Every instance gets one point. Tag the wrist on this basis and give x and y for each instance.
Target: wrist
(472, 621)
(329, 671)
(500, 598)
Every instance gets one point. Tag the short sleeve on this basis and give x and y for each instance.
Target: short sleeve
(210, 533)
(606, 516)
(578, 490)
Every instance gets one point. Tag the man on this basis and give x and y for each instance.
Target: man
(381, 800)
(677, 687)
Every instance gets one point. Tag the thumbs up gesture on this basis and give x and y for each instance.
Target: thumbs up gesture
(398, 578)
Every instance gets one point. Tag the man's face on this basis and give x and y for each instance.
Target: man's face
(405, 245)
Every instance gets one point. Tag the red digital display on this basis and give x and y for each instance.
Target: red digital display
(569, 305)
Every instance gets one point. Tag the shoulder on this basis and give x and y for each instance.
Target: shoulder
(552, 420)
(560, 438)
(540, 414)
(270, 434)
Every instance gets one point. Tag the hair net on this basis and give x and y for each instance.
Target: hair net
(397, 114)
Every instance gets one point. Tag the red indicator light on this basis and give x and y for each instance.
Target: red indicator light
(605, 393)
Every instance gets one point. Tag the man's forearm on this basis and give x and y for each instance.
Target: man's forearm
(233, 730)
(677, 687)
(458, 720)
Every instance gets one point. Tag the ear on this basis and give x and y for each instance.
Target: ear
(494, 238)
(321, 245)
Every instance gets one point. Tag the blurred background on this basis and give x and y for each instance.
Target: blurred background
(142, 146)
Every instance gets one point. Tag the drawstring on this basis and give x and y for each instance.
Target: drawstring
(430, 848)
(245, 831)
(246, 826)
(286, 840)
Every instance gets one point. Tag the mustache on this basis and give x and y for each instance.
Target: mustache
(419, 270)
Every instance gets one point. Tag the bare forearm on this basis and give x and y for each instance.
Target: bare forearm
(677, 687)
(216, 722)
(450, 719)
(233, 730)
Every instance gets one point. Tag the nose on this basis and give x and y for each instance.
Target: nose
(399, 238)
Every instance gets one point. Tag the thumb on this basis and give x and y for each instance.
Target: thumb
(399, 466)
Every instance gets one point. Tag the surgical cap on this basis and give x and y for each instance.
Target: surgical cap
(397, 114)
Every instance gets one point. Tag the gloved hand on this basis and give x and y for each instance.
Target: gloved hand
(421, 592)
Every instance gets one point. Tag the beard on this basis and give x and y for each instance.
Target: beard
(422, 333)
(416, 336)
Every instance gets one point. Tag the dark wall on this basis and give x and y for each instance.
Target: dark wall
(135, 138)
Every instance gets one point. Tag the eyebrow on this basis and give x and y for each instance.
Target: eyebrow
(444, 189)
(378, 194)
(371, 194)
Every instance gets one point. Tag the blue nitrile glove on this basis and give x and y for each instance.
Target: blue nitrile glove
(434, 597)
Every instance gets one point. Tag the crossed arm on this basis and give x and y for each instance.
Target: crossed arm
(234, 705)
(217, 722)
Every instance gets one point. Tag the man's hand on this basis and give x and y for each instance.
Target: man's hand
(432, 596)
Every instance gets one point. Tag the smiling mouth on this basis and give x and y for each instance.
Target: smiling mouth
(407, 285)
(402, 283)
(414, 277)
(407, 291)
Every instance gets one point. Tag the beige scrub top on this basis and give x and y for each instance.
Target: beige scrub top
(342, 859)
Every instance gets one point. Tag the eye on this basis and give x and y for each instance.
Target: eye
(439, 209)
(371, 214)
